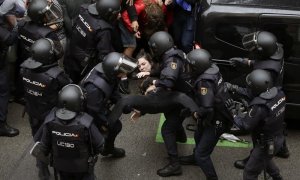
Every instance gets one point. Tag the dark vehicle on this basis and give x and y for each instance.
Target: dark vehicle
(223, 23)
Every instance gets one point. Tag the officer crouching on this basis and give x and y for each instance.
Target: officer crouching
(71, 137)
(265, 121)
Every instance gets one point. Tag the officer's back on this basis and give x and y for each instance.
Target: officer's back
(71, 137)
(42, 79)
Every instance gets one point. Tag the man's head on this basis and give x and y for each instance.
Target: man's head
(70, 102)
(259, 81)
(159, 43)
(106, 9)
(43, 52)
(115, 65)
(44, 12)
(263, 42)
(199, 60)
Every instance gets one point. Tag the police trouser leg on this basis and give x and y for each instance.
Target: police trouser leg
(259, 159)
(112, 134)
(206, 141)
(35, 124)
(4, 94)
(170, 129)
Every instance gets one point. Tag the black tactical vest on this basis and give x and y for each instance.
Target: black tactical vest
(183, 81)
(70, 143)
(41, 89)
(220, 96)
(213, 75)
(29, 32)
(85, 30)
(273, 124)
(95, 78)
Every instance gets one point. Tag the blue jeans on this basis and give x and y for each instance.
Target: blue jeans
(183, 29)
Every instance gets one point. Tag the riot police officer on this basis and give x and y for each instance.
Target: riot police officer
(265, 121)
(6, 38)
(71, 136)
(40, 14)
(42, 79)
(101, 85)
(91, 37)
(214, 118)
(172, 78)
(269, 56)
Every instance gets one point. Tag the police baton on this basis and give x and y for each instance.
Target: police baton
(222, 62)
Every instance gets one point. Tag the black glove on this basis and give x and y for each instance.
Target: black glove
(198, 118)
(230, 87)
(238, 61)
(230, 105)
(148, 81)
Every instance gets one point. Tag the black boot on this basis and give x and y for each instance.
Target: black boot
(240, 164)
(188, 160)
(124, 86)
(113, 152)
(284, 151)
(279, 177)
(171, 169)
(44, 173)
(6, 130)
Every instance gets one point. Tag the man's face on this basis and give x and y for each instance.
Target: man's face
(144, 65)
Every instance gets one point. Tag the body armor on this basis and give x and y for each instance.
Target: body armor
(85, 30)
(70, 143)
(29, 32)
(275, 102)
(41, 91)
(175, 57)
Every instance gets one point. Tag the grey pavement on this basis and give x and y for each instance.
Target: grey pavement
(143, 154)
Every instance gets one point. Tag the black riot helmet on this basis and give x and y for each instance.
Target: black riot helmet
(70, 102)
(159, 43)
(43, 52)
(262, 41)
(106, 9)
(199, 60)
(259, 81)
(45, 12)
(115, 63)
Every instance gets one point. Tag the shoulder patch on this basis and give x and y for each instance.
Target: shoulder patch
(203, 91)
(173, 65)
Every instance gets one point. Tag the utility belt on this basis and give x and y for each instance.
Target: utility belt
(266, 144)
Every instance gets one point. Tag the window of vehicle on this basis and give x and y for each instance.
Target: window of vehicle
(232, 34)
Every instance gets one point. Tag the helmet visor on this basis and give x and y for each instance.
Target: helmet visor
(53, 14)
(250, 41)
(126, 65)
